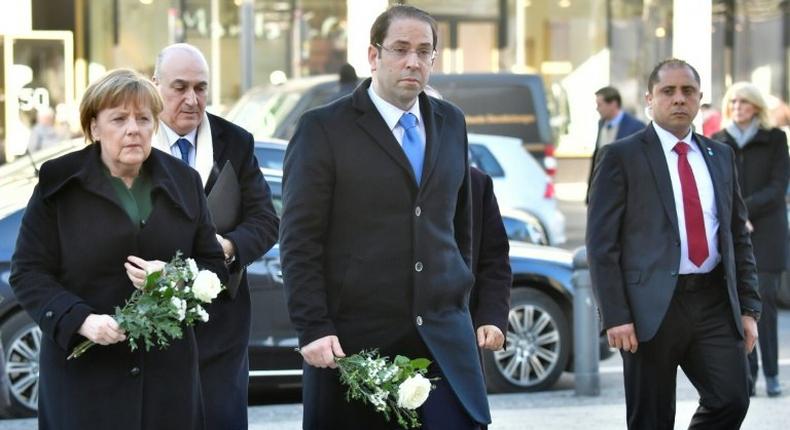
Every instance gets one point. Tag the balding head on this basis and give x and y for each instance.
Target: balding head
(181, 76)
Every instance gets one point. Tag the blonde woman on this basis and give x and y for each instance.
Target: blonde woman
(763, 169)
(95, 215)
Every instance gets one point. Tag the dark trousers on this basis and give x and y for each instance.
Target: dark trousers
(699, 335)
(766, 328)
(443, 410)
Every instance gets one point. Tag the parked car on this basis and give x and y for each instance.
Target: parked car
(519, 181)
(539, 339)
(504, 104)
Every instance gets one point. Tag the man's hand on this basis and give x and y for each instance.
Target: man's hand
(749, 332)
(490, 337)
(623, 337)
(322, 352)
(137, 270)
(102, 329)
(227, 247)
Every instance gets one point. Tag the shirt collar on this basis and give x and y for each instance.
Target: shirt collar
(390, 112)
(669, 140)
(616, 120)
(172, 136)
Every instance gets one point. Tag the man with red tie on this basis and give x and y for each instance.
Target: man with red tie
(671, 261)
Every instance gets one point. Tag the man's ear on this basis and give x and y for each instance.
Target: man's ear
(373, 55)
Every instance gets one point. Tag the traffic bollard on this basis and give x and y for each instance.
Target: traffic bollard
(586, 350)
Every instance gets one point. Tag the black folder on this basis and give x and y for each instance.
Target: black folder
(224, 204)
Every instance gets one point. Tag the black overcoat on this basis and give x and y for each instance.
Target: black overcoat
(490, 300)
(224, 340)
(373, 258)
(763, 170)
(68, 263)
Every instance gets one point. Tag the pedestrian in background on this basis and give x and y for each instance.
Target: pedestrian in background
(614, 123)
(208, 143)
(671, 261)
(763, 170)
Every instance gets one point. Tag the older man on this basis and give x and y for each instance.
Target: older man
(207, 143)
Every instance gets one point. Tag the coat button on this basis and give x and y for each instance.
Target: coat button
(418, 266)
(417, 211)
(135, 371)
(674, 273)
(49, 314)
(419, 320)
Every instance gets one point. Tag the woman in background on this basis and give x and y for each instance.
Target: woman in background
(763, 169)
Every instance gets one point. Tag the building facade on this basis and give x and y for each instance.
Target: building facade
(577, 46)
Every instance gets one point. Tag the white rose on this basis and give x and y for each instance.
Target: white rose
(206, 286)
(201, 313)
(193, 269)
(413, 392)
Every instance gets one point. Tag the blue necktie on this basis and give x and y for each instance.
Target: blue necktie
(412, 143)
(184, 146)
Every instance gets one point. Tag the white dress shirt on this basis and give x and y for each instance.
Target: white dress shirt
(706, 196)
(172, 138)
(392, 114)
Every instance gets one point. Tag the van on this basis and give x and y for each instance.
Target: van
(502, 104)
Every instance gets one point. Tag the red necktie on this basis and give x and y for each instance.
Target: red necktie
(692, 209)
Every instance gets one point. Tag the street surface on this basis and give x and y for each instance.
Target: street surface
(559, 408)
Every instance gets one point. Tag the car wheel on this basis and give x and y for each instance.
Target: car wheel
(21, 342)
(783, 295)
(537, 345)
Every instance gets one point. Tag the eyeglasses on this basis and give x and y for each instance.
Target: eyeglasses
(425, 55)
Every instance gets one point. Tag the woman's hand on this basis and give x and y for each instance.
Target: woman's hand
(102, 329)
(138, 269)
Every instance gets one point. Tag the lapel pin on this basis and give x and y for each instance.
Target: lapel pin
(710, 152)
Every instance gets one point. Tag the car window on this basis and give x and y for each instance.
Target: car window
(263, 113)
(485, 161)
(270, 158)
(516, 229)
(276, 187)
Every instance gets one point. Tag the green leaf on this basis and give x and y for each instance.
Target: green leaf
(420, 363)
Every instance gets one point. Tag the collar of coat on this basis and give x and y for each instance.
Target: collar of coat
(85, 166)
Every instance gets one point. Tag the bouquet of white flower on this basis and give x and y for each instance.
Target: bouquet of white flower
(393, 388)
(171, 297)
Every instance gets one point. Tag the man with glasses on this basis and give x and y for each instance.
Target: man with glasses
(376, 235)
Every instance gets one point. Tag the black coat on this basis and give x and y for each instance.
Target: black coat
(371, 257)
(763, 170)
(633, 241)
(490, 300)
(73, 242)
(225, 338)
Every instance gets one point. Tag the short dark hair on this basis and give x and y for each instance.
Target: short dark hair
(610, 94)
(378, 32)
(669, 63)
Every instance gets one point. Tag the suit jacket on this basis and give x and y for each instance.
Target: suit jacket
(628, 126)
(373, 258)
(68, 263)
(633, 242)
(224, 339)
(490, 301)
(763, 169)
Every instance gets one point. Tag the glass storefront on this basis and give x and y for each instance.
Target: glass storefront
(577, 46)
